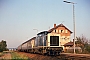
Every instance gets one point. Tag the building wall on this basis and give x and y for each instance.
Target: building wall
(70, 49)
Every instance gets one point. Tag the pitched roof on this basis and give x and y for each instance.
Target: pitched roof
(69, 44)
(29, 40)
(60, 25)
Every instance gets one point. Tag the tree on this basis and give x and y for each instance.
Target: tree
(88, 48)
(3, 46)
(83, 43)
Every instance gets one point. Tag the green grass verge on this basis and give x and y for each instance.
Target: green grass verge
(1, 54)
(17, 56)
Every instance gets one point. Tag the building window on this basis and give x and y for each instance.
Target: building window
(55, 31)
(68, 38)
(66, 31)
(62, 38)
(61, 31)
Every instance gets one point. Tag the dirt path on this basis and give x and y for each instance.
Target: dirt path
(6, 56)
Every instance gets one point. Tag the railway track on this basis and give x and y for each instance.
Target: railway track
(63, 56)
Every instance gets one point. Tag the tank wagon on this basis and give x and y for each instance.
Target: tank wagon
(43, 43)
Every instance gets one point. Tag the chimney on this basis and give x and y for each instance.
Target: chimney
(54, 25)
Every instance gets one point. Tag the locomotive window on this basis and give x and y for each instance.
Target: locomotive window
(54, 40)
(46, 38)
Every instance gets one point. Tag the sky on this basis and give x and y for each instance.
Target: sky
(19, 18)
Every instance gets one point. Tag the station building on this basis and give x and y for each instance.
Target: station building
(64, 32)
(65, 35)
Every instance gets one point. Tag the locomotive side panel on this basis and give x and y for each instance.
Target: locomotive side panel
(40, 40)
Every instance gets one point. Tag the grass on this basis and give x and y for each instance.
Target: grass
(17, 56)
(13, 56)
(1, 54)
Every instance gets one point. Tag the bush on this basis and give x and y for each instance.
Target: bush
(88, 48)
